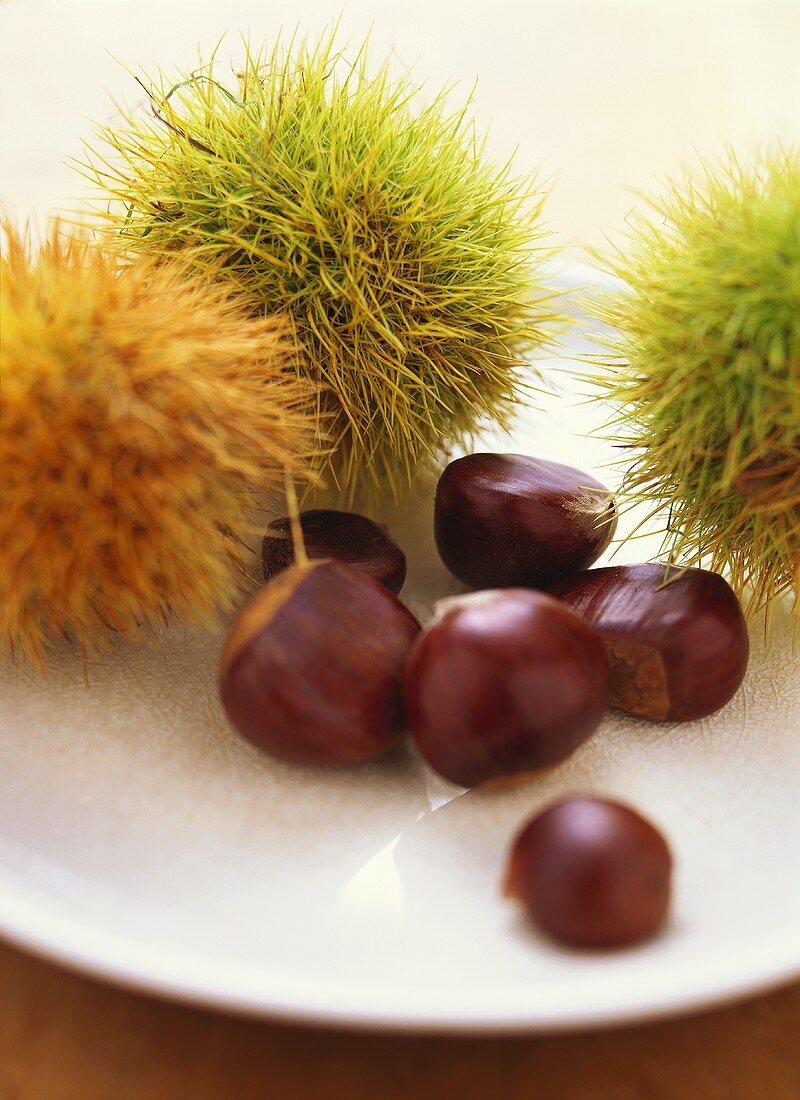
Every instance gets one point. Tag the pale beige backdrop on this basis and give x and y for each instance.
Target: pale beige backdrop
(626, 90)
(629, 90)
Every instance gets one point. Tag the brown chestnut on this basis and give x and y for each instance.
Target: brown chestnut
(312, 667)
(509, 520)
(676, 639)
(591, 873)
(342, 536)
(506, 682)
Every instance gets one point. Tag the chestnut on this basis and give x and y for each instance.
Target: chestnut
(505, 520)
(506, 682)
(591, 873)
(676, 639)
(312, 667)
(343, 536)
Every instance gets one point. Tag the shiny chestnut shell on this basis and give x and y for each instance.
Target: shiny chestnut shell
(591, 873)
(345, 537)
(676, 640)
(506, 682)
(312, 667)
(504, 520)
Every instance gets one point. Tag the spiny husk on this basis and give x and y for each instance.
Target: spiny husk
(705, 368)
(404, 256)
(139, 406)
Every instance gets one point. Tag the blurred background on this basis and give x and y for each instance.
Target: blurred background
(615, 94)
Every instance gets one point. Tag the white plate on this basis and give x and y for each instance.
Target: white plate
(142, 840)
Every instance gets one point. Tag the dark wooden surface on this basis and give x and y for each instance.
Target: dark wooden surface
(64, 1037)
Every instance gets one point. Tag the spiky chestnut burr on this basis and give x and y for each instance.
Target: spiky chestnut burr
(406, 258)
(139, 406)
(705, 369)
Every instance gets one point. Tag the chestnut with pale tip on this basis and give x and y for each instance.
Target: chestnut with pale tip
(506, 682)
(312, 667)
(591, 873)
(504, 520)
(345, 537)
(676, 640)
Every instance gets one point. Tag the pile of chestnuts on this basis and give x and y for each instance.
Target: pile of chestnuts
(325, 665)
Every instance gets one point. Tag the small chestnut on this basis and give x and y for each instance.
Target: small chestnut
(312, 667)
(342, 536)
(591, 873)
(676, 639)
(505, 520)
(506, 682)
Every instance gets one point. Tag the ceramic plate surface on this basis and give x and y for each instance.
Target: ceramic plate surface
(143, 841)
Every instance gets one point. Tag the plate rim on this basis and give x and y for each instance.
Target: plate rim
(106, 956)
